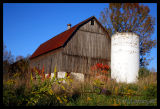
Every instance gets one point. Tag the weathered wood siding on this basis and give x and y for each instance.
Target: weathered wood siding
(48, 60)
(89, 45)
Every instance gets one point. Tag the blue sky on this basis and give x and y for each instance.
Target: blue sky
(27, 25)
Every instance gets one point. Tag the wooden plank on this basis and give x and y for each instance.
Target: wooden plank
(89, 46)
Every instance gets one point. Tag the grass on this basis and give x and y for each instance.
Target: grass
(102, 100)
(17, 90)
(142, 93)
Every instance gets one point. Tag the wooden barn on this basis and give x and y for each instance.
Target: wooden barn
(74, 50)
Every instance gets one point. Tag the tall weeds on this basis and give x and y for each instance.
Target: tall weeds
(18, 90)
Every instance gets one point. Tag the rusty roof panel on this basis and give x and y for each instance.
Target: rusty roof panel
(57, 41)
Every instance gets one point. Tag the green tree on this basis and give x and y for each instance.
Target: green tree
(131, 17)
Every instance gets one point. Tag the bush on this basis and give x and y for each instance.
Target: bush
(143, 72)
(44, 91)
(133, 87)
(40, 91)
(13, 96)
(150, 91)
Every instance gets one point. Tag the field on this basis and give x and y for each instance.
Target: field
(24, 90)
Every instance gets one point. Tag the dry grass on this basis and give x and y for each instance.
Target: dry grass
(77, 88)
(115, 87)
(151, 78)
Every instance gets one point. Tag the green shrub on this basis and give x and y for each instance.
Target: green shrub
(40, 92)
(8, 96)
(143, 72)
(133, 87)
(46, 92)
(150, 92)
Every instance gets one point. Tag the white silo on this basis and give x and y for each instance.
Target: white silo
(125, 57)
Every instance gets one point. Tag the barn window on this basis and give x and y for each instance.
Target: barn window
(92, 22)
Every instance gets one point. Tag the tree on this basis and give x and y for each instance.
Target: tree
(19, 58)
(131, 17)
(143, 72)
(21, 66)
(8, 59)
(7, 56)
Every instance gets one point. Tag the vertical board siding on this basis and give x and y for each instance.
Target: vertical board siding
(88, 46)
(49, 61)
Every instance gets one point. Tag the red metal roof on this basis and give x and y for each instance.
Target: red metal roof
(57, 41)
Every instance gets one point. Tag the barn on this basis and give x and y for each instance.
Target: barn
(74, 50)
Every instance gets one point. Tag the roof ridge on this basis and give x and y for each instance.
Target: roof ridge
(67, 30)
(57, 41)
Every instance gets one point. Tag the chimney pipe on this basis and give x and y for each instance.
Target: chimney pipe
(68, 26)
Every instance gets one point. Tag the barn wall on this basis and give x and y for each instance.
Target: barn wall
(48, 60)
(96, 28)
(75, 63)
(89, 45)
